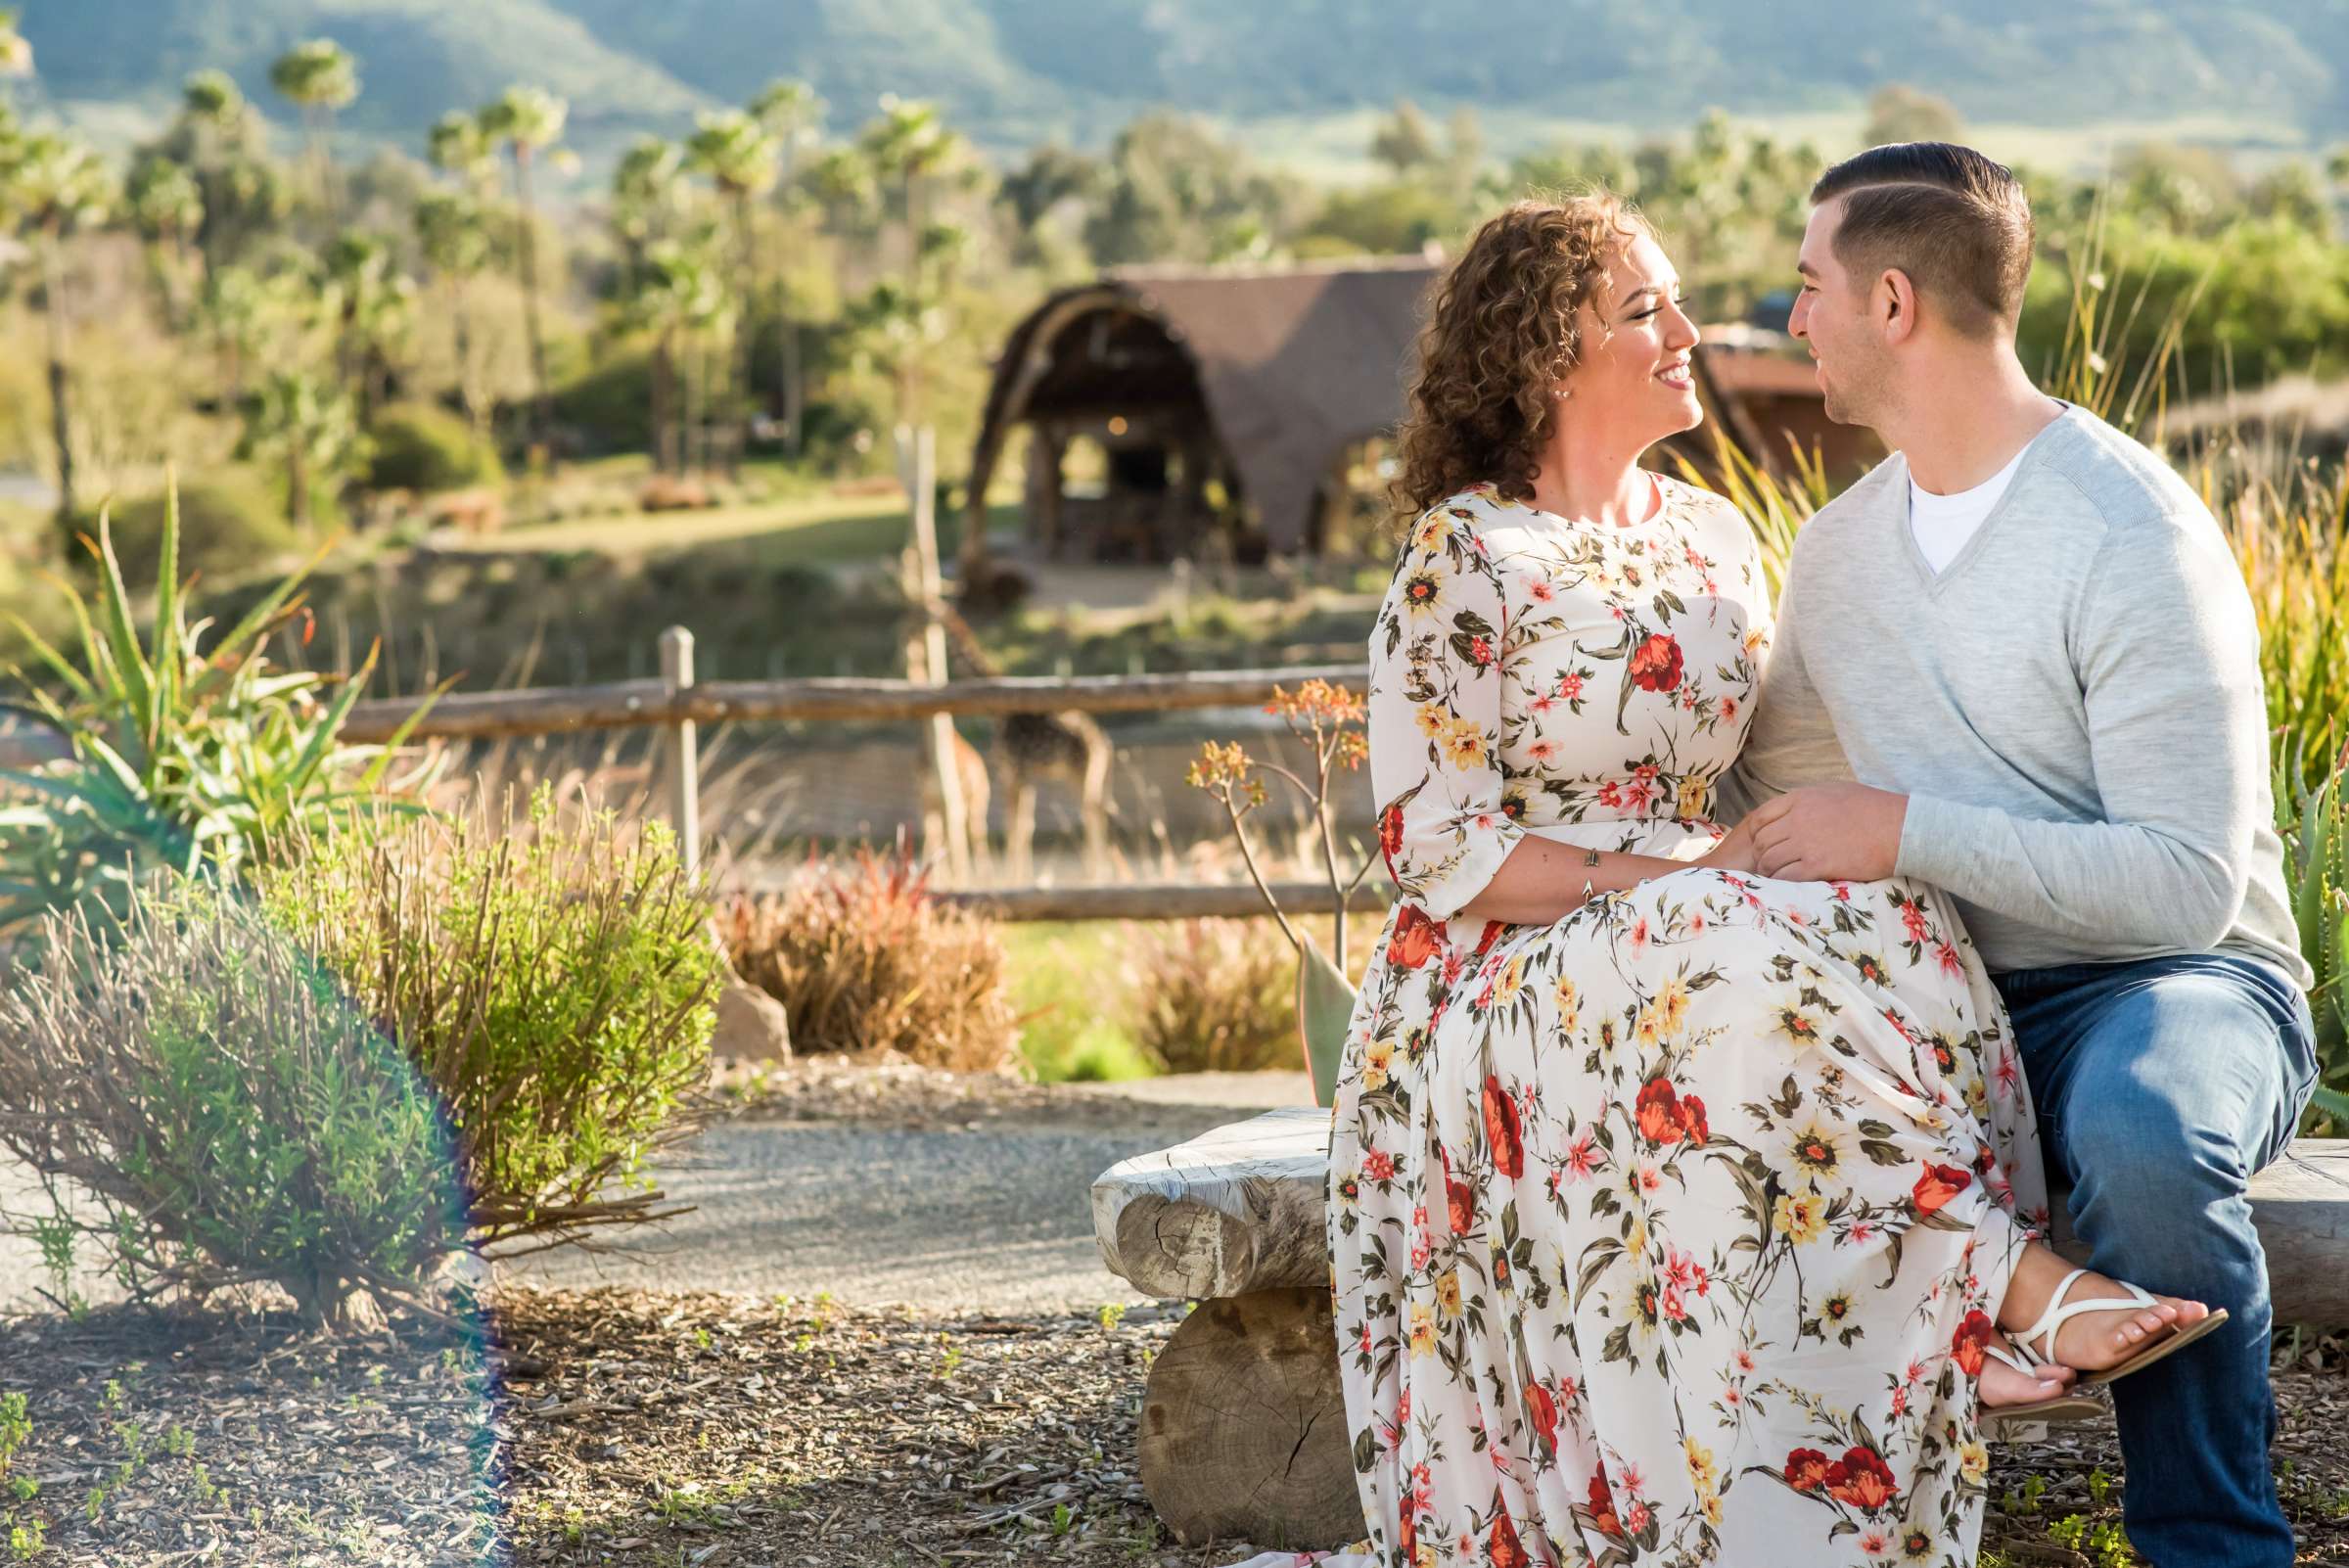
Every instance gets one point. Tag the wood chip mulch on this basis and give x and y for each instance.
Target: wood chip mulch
(714, 1431)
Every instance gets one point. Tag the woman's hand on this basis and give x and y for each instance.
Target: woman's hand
(1736, 851)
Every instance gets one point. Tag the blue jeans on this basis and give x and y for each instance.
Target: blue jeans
(2162, 1087)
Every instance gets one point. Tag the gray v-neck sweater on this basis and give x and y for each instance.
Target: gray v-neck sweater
(2072, 705)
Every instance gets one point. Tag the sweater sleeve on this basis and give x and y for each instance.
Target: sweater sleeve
(1792, 741)
(2166, 648)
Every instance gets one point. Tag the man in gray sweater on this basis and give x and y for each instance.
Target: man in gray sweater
(2017, 661)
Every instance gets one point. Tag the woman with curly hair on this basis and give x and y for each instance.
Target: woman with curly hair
(1677, 1214)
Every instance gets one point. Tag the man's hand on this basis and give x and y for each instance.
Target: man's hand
(1829, 833)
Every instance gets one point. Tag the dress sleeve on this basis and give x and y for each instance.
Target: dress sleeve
(1435, 717)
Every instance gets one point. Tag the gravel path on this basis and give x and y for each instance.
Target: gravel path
(984, 1211)
(991, 1217)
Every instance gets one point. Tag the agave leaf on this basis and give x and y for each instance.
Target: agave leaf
(1324, 1007)
(57, 661)
(120, 626)
(168, 653)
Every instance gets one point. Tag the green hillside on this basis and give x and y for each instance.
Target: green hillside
(1014, 71)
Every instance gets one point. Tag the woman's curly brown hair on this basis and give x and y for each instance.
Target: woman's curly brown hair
(1501, 334)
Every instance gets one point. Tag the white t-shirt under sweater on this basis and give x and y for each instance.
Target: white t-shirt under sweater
(1943, 523)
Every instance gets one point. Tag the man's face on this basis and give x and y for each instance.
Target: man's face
(1832, 314)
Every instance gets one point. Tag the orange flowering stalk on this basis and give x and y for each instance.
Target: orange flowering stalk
(1329, 720)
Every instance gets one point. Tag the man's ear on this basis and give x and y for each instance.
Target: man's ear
(1895, 304)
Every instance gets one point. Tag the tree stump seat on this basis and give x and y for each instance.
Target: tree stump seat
(1243, 1431)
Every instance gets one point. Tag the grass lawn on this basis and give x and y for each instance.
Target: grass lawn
(1068, 983)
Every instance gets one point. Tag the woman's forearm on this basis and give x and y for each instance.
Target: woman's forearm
(1543, 881)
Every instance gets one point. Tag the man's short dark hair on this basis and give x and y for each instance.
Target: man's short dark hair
(1956, 222)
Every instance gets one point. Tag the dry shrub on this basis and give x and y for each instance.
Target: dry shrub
(1215, 996)
(866, 962)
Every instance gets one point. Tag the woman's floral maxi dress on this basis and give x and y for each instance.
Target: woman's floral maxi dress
(1671, 1232)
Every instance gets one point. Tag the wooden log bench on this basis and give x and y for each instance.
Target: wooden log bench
(1243, 1430)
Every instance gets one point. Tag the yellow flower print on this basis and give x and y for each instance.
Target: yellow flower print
(1423, 1331)
(1974, 1462)
(1977, 1097)
(1447, 1292)
(1801, 1216)
(1377, 1062)
(1464, 743)
(1696, 794)
(1432, 529)
(1635, 1242)
(1424, 1556)
(1712, 1510)
(1423, 592)
(1432, 718)
(1511, 982)
(1662, 1017)
(1700, 1464)
(1569, 1005)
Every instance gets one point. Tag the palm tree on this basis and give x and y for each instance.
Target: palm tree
(16, 51)
(738, 154)
(168, 207)
(458, 144)
(311, 430)
(528, 120)
(317, 77)
(680, 297)
(907, 143)
(218, 137)
(372, 300)
(648, 199)
(792, 111)
(454, 236)
(52, 184)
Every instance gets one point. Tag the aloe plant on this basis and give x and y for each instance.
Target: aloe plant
(182, 755)
(2315, 824)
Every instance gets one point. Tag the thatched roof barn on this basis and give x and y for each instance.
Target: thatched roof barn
(1256, 382)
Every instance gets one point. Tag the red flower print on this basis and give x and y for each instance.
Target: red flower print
(1416, 938)
(1502, 1129)
(1542, 1412)
(1389, 834)
(1582, 1157)
(1656, 663)
(1489, 935)
(1502, 1548)
(1378, 1165)
(1966, 1345)
(1480, 650)
(1459, 1205)
(1938, 1185)
(1864, 1480)
(1570, 686)
(1805, 1470)
(1602, 1506)
(1694, 1130)
(1406, 1538)
(1658, 1112)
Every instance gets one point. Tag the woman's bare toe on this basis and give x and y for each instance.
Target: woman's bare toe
(2002, 1385)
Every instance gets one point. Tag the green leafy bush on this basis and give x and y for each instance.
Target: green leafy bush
(232, 1115)
(865, 961)
(423, 448)
(554, 985)
(183, 754)
(230, 521)
(2315, 824)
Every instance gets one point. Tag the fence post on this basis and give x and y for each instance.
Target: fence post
(684, 751)
(926, 643)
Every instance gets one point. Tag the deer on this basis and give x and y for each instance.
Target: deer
(1034, 746)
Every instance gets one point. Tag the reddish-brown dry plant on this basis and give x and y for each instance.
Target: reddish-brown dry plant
(866, 962)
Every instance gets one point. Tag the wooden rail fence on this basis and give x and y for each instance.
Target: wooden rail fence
(679, 704)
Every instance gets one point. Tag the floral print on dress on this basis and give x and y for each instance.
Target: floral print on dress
(1669, 1232)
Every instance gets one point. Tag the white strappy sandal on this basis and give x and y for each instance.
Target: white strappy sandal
(2060, 1312)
